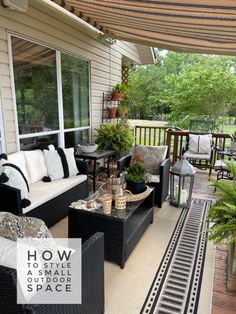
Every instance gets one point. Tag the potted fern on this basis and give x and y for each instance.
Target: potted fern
(233, 142)
(114, 136)
(222, 215)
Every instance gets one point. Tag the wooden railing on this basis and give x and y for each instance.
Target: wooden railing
(155, 136)
(150, 135)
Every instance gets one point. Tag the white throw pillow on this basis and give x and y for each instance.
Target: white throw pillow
(54, 164)
(200, 144)
(14, 177)
(36, 165)
(69, 152)
(18, 159)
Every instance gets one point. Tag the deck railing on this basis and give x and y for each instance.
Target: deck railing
(155, 136)
(150, 135)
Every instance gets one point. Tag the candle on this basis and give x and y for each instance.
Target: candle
(183, 195)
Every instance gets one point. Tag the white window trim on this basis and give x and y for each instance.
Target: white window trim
(2, 134)
(62, 130)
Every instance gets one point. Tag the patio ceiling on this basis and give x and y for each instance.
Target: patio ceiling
(203, 26)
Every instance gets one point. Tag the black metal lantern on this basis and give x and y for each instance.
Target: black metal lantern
(181, 184)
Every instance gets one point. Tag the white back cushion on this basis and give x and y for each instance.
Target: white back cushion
(18, 159)
(200, 144)
(54, 164)
(36, 165)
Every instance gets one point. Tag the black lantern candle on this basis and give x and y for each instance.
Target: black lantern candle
(181, 184)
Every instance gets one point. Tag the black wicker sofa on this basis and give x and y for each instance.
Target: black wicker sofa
(92, 286)
(56, 205)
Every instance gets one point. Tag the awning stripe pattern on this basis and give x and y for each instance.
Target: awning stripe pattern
(204, 26)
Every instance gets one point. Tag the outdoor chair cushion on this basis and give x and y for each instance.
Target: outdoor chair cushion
(152, 156)
(219, 164)
(154, 178)
(36, 165)
(200, 144)
(18, 159)
(42, 192)
(190, 155)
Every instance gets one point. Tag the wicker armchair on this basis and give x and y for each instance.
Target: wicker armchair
(92, 286)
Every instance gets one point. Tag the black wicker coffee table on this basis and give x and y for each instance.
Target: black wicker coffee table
(122, 229)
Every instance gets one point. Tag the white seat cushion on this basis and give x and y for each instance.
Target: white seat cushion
(36, 165)
(41, 192)
(190, 155)
(219, 164)
(155, 178)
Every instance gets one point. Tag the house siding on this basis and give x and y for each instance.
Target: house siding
(41, 24)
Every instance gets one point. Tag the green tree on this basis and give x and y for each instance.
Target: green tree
(201, 89)
(146, 85)
(185, 85)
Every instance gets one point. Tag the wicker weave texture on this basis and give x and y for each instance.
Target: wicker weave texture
(92, 286)
(120, 235)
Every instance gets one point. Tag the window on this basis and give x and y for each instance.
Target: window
(75, 90)
(38, 95)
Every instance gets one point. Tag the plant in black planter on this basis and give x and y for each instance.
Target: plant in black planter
(115, 136)
(135, 175)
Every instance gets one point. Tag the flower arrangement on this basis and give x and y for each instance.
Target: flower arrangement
(136, 172)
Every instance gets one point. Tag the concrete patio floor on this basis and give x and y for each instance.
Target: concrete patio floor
(126, 290)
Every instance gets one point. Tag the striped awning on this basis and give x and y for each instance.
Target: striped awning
(203, 26)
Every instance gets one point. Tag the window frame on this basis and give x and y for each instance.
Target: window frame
(2, 134)
(61, 131)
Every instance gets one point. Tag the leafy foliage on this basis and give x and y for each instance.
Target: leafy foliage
(184, 85)
(223, 213)
(136, 172)
(114, 136)
(120, 88)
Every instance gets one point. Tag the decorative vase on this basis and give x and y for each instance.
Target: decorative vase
(136, 187)
(112, 112)
(117, 96)
(123, 112)
(233, 146)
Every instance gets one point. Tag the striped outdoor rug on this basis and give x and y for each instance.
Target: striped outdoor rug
(177, 284)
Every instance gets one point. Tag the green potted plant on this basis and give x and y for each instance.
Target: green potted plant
(123, 110)
(114, 136)
(119, 92)
(233, 142)
(135, 175)
(222, 216)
